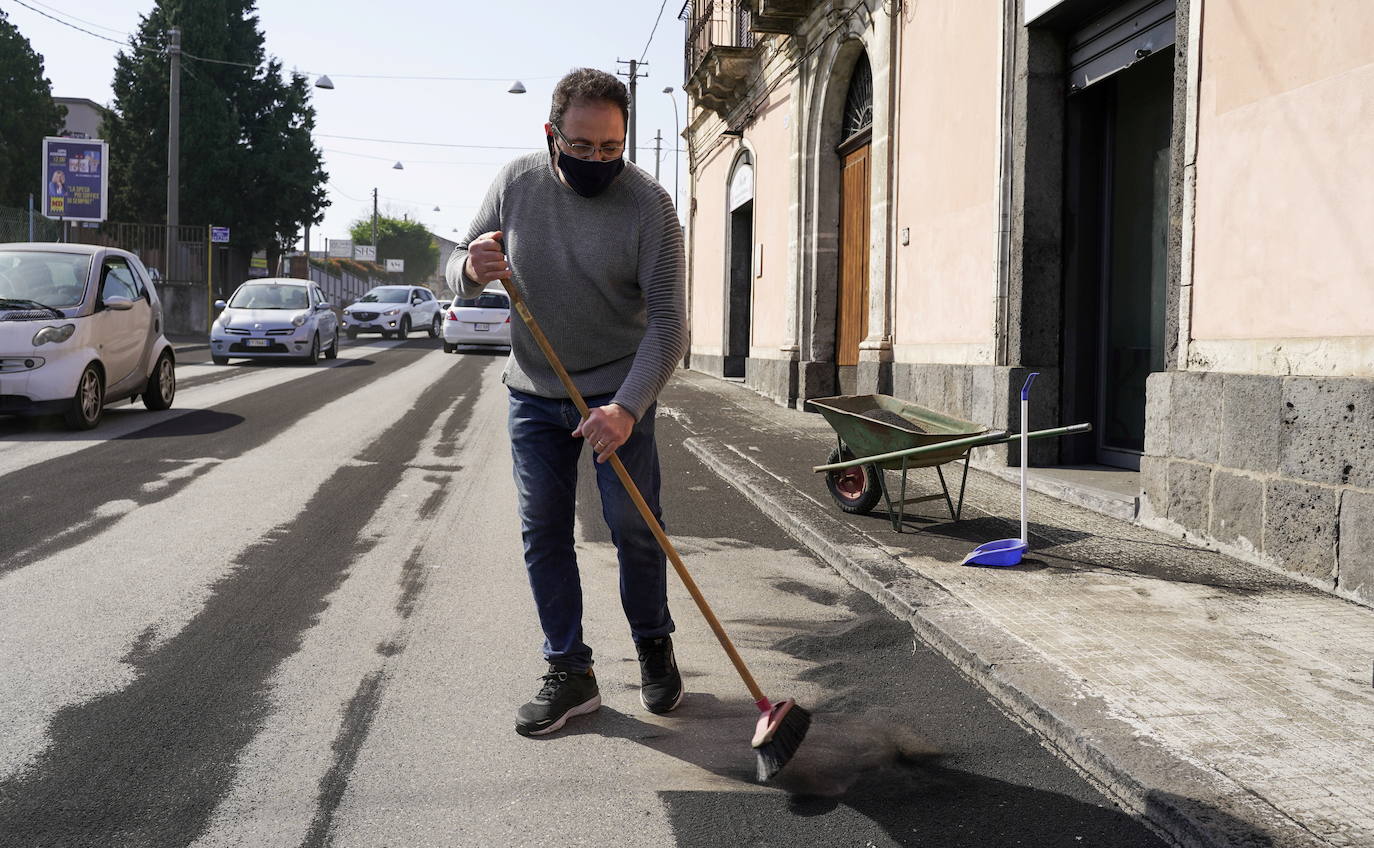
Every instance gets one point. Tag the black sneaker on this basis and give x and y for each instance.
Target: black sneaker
(564, 694)
(660, 684)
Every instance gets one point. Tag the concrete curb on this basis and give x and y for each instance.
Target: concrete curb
(1188, 803)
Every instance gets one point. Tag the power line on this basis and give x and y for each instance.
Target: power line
(410, 161)
(428, 143)
(82, 20)
(653, 31)
(77, 28)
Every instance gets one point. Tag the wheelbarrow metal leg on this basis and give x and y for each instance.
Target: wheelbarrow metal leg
(900, 521)
(963, 483)
(944, 488)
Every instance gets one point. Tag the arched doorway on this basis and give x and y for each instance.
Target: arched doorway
(739, 291)
(854, 151)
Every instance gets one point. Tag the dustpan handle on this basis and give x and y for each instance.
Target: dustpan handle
(1025, 449)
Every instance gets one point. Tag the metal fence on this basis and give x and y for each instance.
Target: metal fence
(23, 225)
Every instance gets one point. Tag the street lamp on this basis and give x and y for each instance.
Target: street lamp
(324, 82)
(516, 87)
(677, 125)
(398, 167)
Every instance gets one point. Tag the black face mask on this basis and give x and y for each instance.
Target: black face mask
(588, 177)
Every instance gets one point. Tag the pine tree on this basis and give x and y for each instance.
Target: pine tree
(27, 114)
(248, 160)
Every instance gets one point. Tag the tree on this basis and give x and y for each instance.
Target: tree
(400, 238)
(27, 114)
(248, 158)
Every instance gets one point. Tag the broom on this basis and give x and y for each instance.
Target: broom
(782, 725)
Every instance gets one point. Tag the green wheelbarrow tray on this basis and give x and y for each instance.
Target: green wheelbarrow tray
(880, 433)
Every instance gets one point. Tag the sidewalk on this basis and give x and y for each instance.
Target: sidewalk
(1222, 702)
(185, 343)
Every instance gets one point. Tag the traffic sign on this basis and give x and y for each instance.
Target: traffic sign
(395, 265)
(219, 235)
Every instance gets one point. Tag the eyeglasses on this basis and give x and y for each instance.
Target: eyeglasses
(587, 151)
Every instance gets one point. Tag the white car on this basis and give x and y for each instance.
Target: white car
(80, 327)
(482, 320)
(279, 318)
(393, 311)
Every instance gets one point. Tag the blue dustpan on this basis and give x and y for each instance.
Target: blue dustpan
(1000, 552)
(1006, 552)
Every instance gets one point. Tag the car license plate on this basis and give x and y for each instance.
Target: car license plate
(481, 328)
(257, 342)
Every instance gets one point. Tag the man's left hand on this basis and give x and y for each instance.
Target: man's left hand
(606, 429)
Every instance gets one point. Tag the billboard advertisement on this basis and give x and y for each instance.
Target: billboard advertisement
(76, 179)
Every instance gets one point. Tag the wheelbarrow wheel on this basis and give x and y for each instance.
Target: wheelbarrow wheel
(856, 490)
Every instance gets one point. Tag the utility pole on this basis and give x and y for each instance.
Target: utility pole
(374, 219)
(173, 147)
(634, 76)
(658, 147)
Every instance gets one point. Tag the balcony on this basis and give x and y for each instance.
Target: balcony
(779, 16)
(719, 52)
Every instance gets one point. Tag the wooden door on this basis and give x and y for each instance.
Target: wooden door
(851, 324)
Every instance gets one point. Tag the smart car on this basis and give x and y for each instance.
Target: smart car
(277, 318)
(80, 327)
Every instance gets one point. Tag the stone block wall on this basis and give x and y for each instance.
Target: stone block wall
(1278, 470)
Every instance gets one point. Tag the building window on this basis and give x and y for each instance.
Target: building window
(858, 102)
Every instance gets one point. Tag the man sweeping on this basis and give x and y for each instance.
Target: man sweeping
(596, 249)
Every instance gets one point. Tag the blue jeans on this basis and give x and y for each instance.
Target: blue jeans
(546, 458)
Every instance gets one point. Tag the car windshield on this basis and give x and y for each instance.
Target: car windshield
(33, 279)
(486, 300)
(269, 296)
(384, 296)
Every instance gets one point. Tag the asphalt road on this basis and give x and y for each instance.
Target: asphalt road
(291, 611)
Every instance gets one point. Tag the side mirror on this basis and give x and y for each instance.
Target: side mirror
(324, 304)
(219, 304)
(120, 304)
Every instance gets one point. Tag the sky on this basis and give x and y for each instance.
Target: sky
(450, 136)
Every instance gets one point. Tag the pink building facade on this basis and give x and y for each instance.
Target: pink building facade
(1160, 205)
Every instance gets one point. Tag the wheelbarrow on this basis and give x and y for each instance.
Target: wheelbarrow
(880, 433)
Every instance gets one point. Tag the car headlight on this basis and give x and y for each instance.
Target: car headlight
(53, 334)
(392, 312)
(299, 318)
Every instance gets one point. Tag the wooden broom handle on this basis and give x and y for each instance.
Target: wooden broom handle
(518, 302)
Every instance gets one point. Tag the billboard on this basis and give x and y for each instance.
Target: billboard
(76, 179)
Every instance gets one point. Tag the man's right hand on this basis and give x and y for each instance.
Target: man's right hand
(486, 259)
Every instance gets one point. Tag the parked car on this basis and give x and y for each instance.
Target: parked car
(278, 318)
(80, 327)
(393, 311)
(482, 320)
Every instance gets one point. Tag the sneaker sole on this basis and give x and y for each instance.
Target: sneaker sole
(588, 706)
(666, 709)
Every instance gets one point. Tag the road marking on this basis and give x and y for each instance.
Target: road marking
(127, 587)
(24, 445)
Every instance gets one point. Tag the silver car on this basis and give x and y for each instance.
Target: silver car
(275, 319)
(80, 328)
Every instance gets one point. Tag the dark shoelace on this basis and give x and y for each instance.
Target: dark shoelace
(552, 681)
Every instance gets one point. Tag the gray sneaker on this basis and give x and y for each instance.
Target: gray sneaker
(564, 694)
(660, 683)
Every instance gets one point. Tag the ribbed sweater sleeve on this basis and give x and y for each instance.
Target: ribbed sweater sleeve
(487, 219)
(663, 279)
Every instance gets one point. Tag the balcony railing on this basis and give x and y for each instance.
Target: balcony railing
(715, 23)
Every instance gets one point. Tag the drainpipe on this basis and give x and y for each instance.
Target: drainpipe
(1002, 310)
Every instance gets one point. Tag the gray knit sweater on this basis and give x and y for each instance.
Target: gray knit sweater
(603, 276)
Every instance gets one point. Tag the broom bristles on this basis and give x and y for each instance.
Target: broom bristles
(776, 743)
